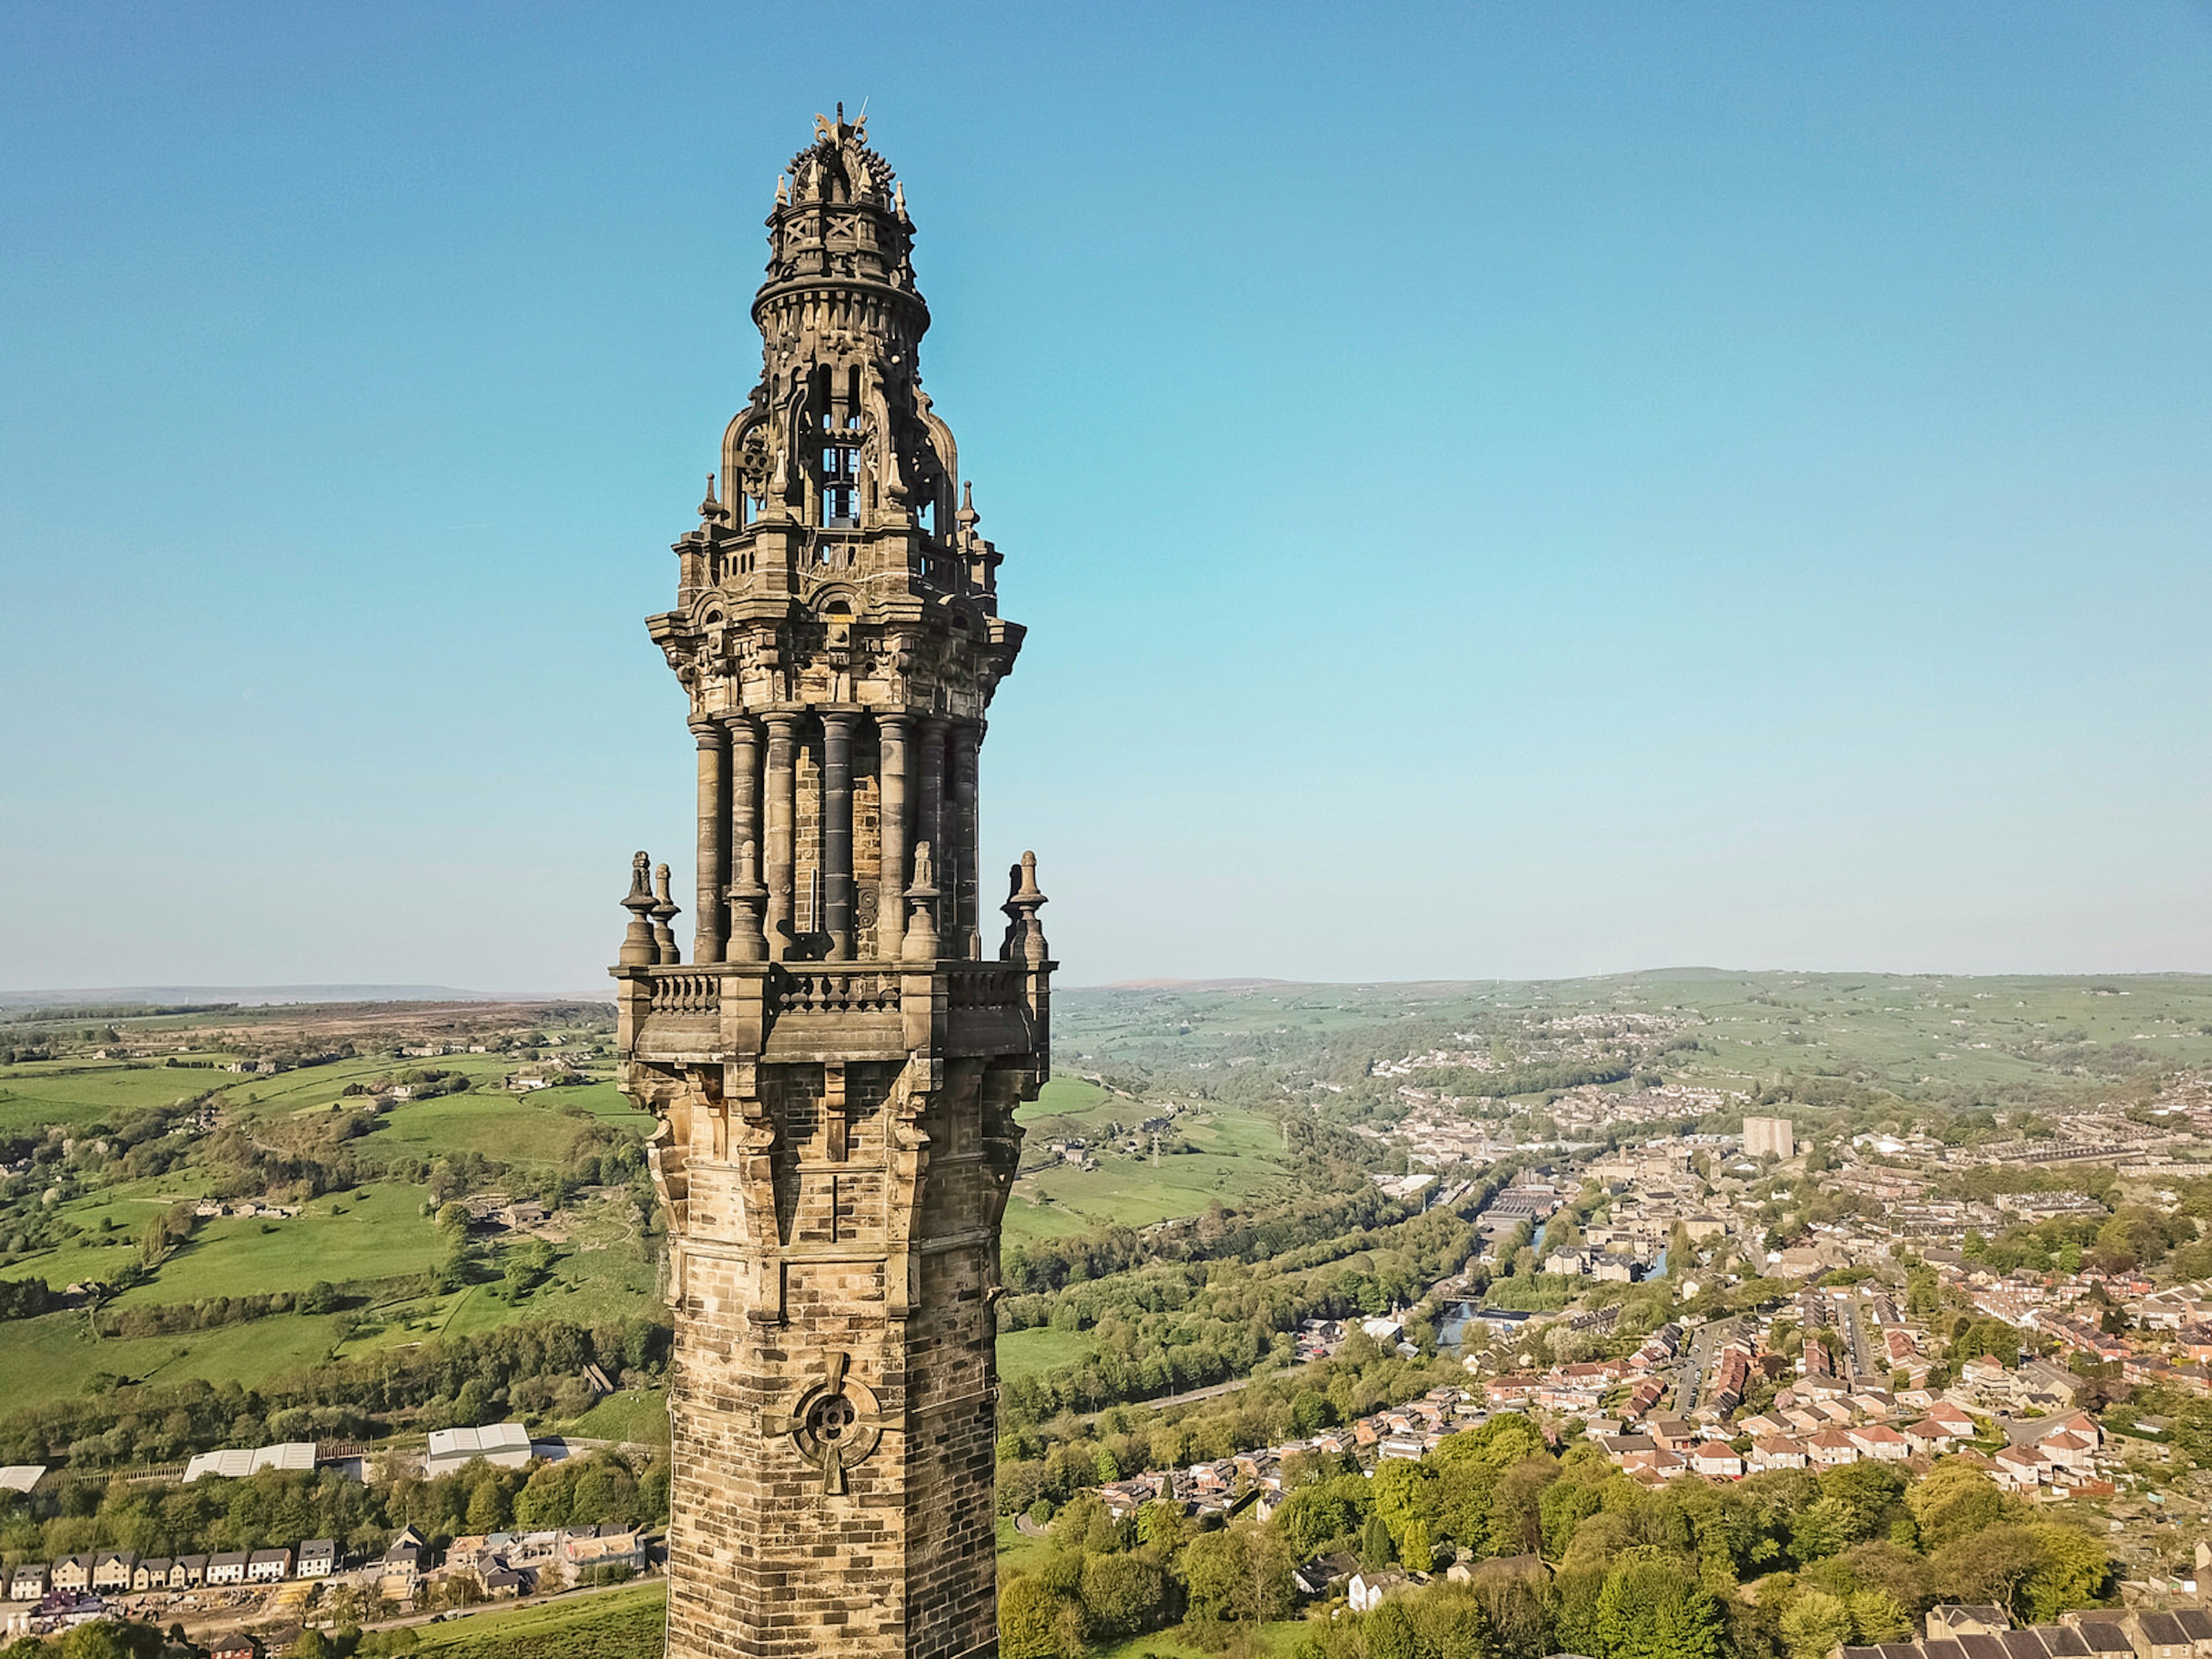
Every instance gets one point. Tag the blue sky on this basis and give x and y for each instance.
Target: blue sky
(1494, 492)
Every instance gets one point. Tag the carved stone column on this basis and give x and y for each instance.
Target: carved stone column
(711, 929)
(892, 733)
(779, 813)
(961, 825)
(929, 808)
(837, 832)
(743, 942)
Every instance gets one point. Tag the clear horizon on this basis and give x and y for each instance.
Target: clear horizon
(1493, 495)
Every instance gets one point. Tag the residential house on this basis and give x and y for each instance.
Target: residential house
(1954, 1620)
(28, 1582)
(268, 1566)
(189, 1573)
(151, 1574)
(2162, 1636)
(1324, 1573)
(1880, 1443)
(1777, 1452)
(608, 1549)
(2102, 1633)
(227, 1567)
(1830, 1447)
(235, 1646)
(1715, 1459)
(319, 1558)
(2041, 1380)
(1368, 1588)
(111, 1571)
(402, 1566)
(1929, 1435)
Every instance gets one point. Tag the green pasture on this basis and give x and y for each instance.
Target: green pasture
(638, 1416)
(50, 1358)
(78, 1093)
(523, 1131)
(1267, 1639)
(1019, 1552)
(1041, 1348)
(1237, 1158)
(373, 1232)
(623, 1622)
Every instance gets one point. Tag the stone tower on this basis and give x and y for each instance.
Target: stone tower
(836, 1069)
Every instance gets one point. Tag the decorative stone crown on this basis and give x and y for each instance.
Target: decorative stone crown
(841, 213)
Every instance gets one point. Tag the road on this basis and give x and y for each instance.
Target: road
(1862, 1366)
(1703, 1341)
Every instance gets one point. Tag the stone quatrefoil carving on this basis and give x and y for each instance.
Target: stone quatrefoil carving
(834, 1424)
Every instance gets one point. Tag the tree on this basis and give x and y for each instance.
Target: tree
(2071, 1574)
(1987, 1565)
(1390, 1633)
(1814, 1624)
(1123, 1594)
(106, 1639)
(1238, 1576)
(1029, 1619)
(1651, 1608)
(1866, 1494)
(1516, 1526)
(1375, 1549)
(1878, 1616)
(1953, 1500)
(1415, 1547)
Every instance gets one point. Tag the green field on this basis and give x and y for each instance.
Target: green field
(53, 1356)
(635, 1416)
(372, 1232)
(1235, 1156)
(624, 1623)
(81, 1093)
(1025, 1353)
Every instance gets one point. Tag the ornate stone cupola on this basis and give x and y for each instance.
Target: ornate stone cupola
(835, 603)
(836, 1069)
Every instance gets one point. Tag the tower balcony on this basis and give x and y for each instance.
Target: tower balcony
(712, 1013)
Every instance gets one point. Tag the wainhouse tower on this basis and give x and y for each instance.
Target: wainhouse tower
(836, 1070)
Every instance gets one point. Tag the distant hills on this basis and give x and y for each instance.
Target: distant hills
(258, 996)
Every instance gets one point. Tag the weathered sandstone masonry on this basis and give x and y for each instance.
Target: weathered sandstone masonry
(836, 1069)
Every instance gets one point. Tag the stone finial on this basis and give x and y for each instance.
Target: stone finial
(664, 910)
(1024, 940)
(710, 509)
(748, 910)
(638, 950)
(782, 189)
(969, 517)
(921, 943)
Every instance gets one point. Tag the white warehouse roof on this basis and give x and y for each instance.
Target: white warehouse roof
(506, 1444)
(235, 1462)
